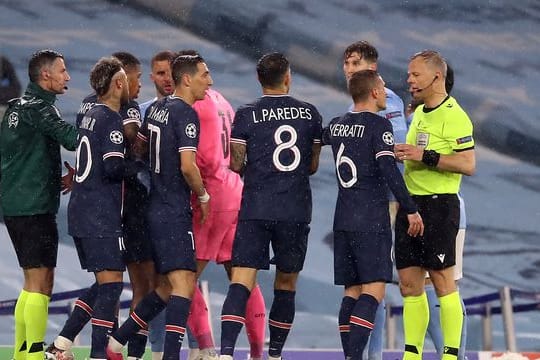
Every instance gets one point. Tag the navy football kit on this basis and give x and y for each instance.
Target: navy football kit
(170, 127)
(279, 133)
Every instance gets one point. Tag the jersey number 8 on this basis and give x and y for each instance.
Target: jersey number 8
(286, 145)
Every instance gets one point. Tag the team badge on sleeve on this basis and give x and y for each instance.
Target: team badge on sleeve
(191, 130)
(116, 137)
(133, 113)
(388, 138)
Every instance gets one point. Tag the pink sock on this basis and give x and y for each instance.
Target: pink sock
(198, 321)
(256, 322)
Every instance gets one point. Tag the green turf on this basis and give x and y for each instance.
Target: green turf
(81, 353)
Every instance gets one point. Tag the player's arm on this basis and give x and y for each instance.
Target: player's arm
(192, 175)
(130, 132)
(315, 155)
(463, 162)
(460, 161)
(238, 157)
(140, 147)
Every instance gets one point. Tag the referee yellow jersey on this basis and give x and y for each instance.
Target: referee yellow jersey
(445, 129)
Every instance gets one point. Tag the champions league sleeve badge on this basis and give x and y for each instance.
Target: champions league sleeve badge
(116, 137)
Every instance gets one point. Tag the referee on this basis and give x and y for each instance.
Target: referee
(438, 151)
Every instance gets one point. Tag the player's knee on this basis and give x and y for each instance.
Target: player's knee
(410, 288)
(285, 281)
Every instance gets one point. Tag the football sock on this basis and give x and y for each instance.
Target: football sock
(345, 311)
(375, 347)
(361, 323)
(19, 350)
(434, 326)
(82, 312)
(137, 344)
(233, 316)
(256, 322)
(198, 322)
(36, 312)
(451, 324)
(415, 321)
(280, 320)
(176, 317)
(463, 341)
(145, 311)
(103, 317)
(156, 335)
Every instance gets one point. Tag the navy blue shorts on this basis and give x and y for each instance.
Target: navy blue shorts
(436, 249)
(362, 257)
(136, 233)
(173, 245)
(288, 240)
(35, 239)
(100, 253)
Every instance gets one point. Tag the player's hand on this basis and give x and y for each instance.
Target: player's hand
(67, 179)
(204, 207)
(416, 225)
(408, 152)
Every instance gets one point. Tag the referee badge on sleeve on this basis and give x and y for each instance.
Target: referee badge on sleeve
(422, 139)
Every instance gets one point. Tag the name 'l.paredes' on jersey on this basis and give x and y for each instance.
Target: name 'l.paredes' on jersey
(279, 133)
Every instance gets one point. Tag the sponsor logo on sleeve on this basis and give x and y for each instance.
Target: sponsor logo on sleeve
(464, 140)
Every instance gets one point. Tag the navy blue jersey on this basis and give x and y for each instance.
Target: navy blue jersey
(95, 206)
(363, 147)
(170, 127)
(129, 112)
(279, 133)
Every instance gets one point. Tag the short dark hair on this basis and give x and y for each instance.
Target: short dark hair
(187, 52)
(449, 80)
(364, 49)
(127, 59)
(102, 74)
(185, 64)
(162, 56)
(361, 83)
(271, 69)
(40, 59)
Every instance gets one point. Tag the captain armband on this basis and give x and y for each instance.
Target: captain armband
(431, 158)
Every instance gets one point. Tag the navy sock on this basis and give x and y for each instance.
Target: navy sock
(361, 323)
(145, 311)
(137, 343)
(82, 312)
(345, 311)
(175, 326)
(103, 317)
(233, 316)
(280, 320)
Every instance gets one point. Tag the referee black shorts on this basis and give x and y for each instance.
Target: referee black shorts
(35, 239)
(436, 249)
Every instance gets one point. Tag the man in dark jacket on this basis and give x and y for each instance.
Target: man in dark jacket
(31, 133)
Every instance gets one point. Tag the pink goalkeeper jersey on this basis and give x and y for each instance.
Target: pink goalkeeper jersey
(213, 153)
